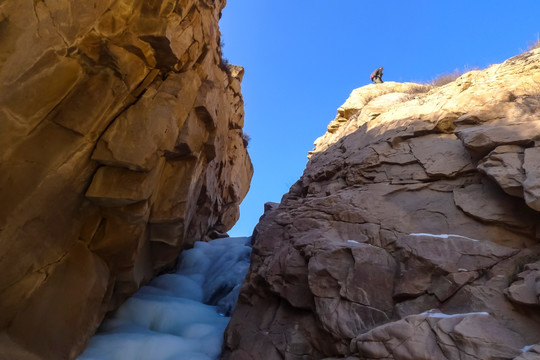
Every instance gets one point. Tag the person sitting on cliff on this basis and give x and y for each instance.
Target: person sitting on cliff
(376, 76)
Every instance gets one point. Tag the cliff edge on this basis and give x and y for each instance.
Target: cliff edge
(413, 232)
(121, 144)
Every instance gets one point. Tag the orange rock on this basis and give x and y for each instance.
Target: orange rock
(105, 106)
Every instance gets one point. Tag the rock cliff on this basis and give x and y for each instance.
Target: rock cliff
(413, 232)
(121, 143)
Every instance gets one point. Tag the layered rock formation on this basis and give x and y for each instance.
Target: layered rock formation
(413, 232)
(121, 143)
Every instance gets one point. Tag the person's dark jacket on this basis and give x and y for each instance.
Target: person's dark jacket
(377, 73)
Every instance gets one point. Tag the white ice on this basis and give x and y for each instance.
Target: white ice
(443, 236)
(439, 315)
(179, 316)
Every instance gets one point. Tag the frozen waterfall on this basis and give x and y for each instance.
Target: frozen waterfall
(178, 316)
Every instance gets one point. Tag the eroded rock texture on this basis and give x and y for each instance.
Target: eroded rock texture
(120, 144)
(413, 232)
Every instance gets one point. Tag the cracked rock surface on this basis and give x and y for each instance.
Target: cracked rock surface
(413, 232)
(121, 144)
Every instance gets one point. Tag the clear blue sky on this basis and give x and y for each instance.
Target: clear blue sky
(303, 58)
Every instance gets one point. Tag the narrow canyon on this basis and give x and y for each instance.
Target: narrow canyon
(412, 234)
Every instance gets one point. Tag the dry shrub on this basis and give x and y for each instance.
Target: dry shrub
(246, 139)
(533, 45)
(419, 89)
(224, 65)
(446, 78)
(223, 62)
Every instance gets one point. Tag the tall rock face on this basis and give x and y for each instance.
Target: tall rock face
(121, 143)
(413, 232)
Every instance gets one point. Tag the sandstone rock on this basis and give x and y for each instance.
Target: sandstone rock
(452, 253)
(482, 139)
(505, 166)
(389, 93)
(34, 98)
(149, 127)
(487, 203)
(118, 186)
(526, 290)
(457, 160)
(114, 157)
(414, 200)
(531, 184)
(530, 352)
(96, 94)
(352, 286)
(87, 275)
(439, 336)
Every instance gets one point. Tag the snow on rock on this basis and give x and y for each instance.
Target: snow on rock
(440, 315)
(443, 236)
(529, 352)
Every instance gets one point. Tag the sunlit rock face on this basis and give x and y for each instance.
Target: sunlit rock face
(413, 232)
(121, 143)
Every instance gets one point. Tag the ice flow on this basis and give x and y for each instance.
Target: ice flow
(178, 316)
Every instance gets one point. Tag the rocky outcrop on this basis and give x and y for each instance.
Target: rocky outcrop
(121, 143)
(413, 232)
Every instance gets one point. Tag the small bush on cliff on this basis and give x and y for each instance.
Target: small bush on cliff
(419, 89)
(246, 139)
(223, 62)
(446, 78)
(224, 65)
(533, 45)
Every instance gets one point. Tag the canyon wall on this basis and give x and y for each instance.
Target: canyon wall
(413, 233)
(121, 144)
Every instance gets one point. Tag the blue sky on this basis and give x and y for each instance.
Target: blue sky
(303, 58)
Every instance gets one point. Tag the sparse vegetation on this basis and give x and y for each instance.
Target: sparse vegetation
(223, 62)
(246, 139)
(446, 78)
(419, 89)
(224, 65)
(533, 45)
